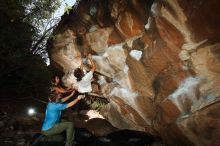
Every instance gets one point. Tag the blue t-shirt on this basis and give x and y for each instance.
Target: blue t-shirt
(53, 114)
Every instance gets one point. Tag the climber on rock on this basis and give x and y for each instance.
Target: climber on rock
(52, 125)
(83, 84)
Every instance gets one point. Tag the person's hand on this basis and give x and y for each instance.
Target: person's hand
(72, 92)
(81, 97)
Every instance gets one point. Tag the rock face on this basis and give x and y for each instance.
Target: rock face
(158, 64)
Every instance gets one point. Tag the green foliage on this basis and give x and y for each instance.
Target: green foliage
(96, 103)
(37, 11)
(31, 80)
(13, 28)
(23, 73)
(67, 8)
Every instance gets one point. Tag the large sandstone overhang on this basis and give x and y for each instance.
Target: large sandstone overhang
(158, 64)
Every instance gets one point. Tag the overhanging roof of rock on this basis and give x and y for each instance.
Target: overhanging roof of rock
(59, 28)
(70, 20)
(74, 20)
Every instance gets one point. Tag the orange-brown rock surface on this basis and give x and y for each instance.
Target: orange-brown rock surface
(158, 64)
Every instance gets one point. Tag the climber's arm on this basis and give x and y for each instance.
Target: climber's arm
(67, 97)
(81, 64)
(92, 62)
(72, 103)
(61, 90)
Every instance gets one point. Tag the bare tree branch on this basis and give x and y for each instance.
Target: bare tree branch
(34, 48)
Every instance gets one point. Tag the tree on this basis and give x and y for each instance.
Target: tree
(22, 70)
(39, 13)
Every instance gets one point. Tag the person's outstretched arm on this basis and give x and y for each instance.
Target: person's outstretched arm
(92, 62)
(62, 90)
(64, 99)
(81, 65)
(72, 103)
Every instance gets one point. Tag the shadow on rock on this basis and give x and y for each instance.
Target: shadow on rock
(84, 138)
